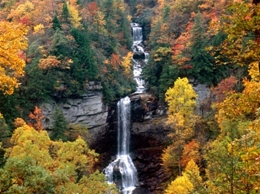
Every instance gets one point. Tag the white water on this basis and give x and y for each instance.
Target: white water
(138, 48)
(122, 171)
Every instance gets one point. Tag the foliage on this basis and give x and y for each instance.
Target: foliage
(37, 164)
(188, 182)
(181, 100)
(190, 152)
(237, 117)
(36, 118)
(202, 63)
(13, 42)
(223, 87)
(62, 37)
(59, 125)
(240, 23)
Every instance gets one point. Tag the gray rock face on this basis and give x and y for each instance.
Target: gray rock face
(204, 99)
(88, 110)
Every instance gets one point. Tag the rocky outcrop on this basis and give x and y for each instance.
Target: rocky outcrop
(149, 139)
(88, 110)
(144, 106)
(204, 99)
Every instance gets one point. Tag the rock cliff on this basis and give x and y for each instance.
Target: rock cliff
(88, 110)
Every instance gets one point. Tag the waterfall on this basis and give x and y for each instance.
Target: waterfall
(138, 50)
(137, 33)
(122, 171)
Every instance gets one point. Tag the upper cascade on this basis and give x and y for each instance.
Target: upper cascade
(140, 57)
(137, 33)
(137, 46)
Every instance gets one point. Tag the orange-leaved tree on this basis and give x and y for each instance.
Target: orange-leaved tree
(36, 119)
(12, 41)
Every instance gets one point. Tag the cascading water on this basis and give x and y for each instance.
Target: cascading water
(122, 171)
(138, 50)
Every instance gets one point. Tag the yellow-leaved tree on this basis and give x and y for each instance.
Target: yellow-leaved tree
(126, 63)
(12, 42)
(235, 152)
(186, 183)
(181, 100)
(36, 164)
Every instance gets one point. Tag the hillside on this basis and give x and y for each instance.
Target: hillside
(52, 50)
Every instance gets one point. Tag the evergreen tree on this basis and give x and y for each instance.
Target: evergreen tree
(56, 23)
(201, 60)
(84, 65)
(65, 13)
(59, 125)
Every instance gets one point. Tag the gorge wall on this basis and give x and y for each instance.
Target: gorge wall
(88, 109)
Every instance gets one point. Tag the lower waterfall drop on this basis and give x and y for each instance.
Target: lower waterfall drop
(122, 171)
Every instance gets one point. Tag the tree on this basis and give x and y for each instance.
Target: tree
(232, 158)
(127, 63)
(181, 100)
(190, 152)
(36, 164)
(223, 87)
(12, 43)
(241, 23)
(36, 118)
(74, 13)
(203, 66)
(59, 125)
(188, 182)
(84, 66)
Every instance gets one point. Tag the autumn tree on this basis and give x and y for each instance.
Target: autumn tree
(223, 87)
(231, 158)
(35, 164)
(188, 182)
(181, 100)
(12, 43)
(240, 24)
(127, 63)
(36, 118)
(191, 152)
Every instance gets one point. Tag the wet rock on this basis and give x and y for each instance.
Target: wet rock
(143, 106)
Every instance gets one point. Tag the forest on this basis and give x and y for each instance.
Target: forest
(50, 50)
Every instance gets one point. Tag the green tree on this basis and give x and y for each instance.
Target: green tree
(202, 61)
(56, 23)
(59, 125)
(24, 176)
(84, 66)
